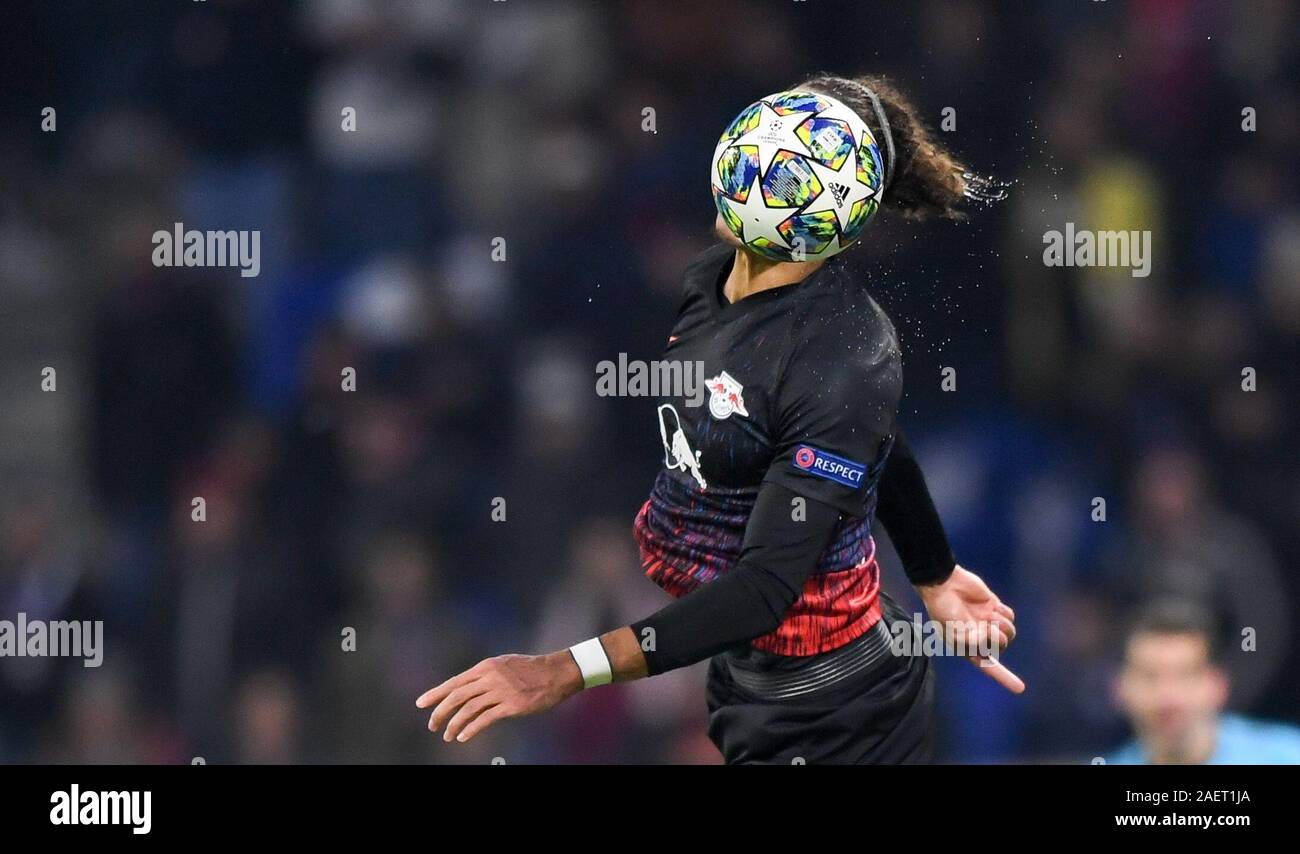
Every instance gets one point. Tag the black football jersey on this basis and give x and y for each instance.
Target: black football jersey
(802, 387)
(803, 384)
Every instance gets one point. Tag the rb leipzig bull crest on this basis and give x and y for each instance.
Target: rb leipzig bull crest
(725, 396)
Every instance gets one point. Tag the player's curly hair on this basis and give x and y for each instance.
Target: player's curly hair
(928, 179)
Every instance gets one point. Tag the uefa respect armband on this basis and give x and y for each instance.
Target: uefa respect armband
(829, 466)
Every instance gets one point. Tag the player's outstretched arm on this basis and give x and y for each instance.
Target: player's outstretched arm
(511, 686)
(749, 601)
(972, 615)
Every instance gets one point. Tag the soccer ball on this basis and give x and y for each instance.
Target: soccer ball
(796, 176)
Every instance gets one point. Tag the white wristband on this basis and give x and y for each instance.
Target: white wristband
(593, 663)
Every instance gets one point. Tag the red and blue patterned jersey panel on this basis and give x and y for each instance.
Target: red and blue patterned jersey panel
(689, 536)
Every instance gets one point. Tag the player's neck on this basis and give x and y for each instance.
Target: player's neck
(751, 273)
(1195, 749)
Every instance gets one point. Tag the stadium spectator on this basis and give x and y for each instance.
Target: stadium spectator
(1173, 691)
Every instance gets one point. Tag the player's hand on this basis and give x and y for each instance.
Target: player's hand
(974, 618)
(507, 686)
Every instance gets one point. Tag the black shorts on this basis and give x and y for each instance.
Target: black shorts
(857, 705)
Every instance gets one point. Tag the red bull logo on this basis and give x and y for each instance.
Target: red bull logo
(678, 453)
(725, 396)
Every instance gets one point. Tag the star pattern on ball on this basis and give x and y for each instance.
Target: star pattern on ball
(758, 219)
(773, 133)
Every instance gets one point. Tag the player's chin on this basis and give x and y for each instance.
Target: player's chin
(725, 234)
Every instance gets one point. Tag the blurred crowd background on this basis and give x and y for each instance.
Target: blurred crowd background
(523, 120)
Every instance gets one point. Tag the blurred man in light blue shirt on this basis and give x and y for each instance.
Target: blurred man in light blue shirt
(1173, 693)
